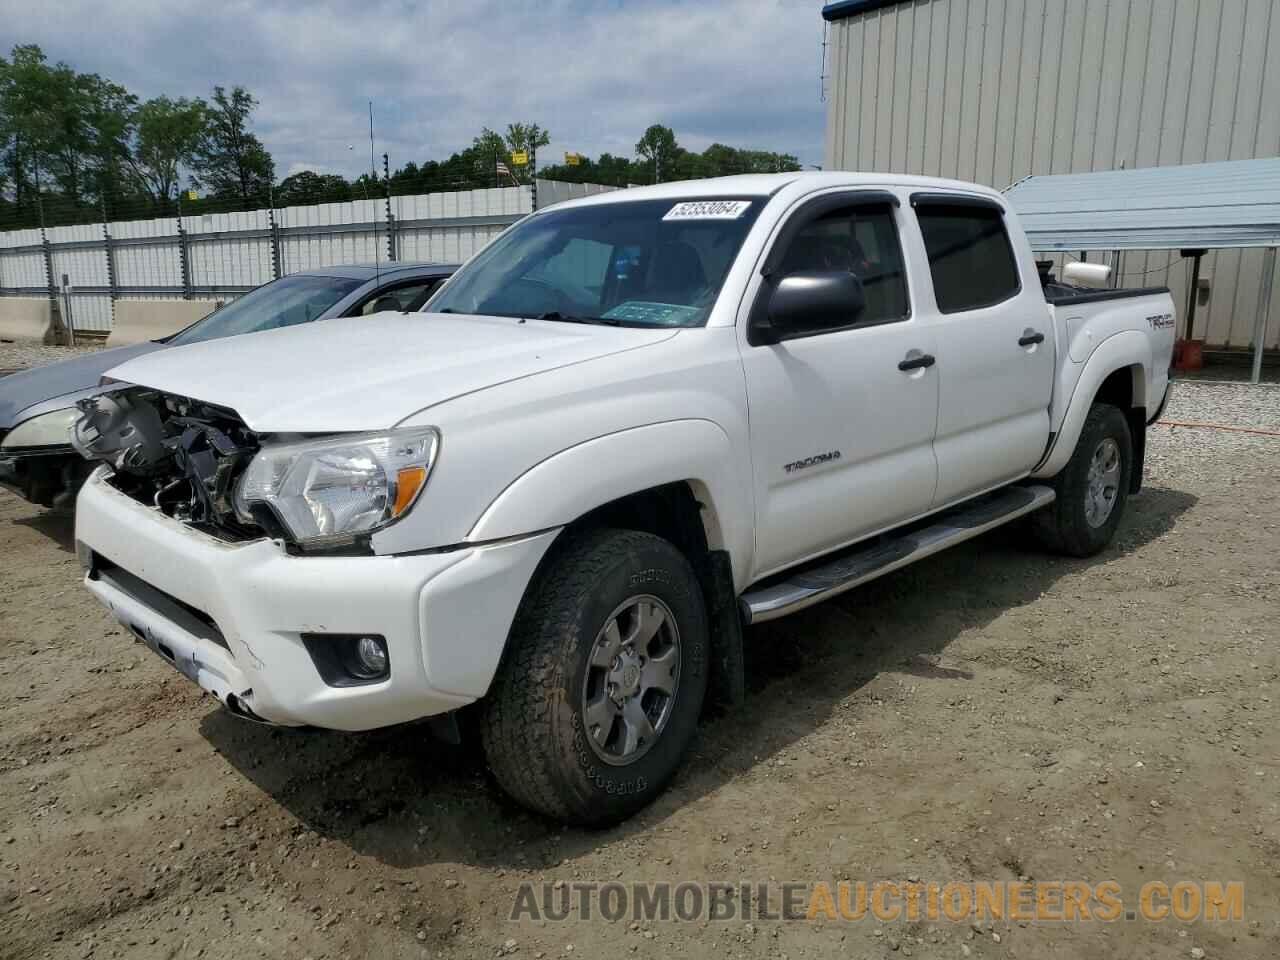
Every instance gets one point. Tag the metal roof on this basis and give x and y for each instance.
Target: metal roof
(840, 9)
(1234, 203)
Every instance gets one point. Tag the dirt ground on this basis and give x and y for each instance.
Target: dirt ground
(989, 714)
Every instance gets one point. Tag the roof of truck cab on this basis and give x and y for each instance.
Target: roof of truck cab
(768, 184)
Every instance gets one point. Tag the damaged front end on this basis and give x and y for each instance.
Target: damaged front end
(178, 455)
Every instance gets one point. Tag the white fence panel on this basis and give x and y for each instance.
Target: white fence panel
(228, 253)
(152, 264)
(82, 266)
(229, 249)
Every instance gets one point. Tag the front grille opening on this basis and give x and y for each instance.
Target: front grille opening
(228, 530)
(179, 456)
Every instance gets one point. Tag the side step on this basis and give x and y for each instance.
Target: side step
(813, 583)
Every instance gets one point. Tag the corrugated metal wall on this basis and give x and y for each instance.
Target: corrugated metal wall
(995, 90)
(233, 250)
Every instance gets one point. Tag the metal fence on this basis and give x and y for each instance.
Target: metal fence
(220, 256)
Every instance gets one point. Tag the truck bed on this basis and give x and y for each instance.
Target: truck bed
(1066, 294)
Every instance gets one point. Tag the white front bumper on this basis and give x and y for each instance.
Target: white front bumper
(230, 615)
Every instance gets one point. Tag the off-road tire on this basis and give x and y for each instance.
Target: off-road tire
(533, 731)
(1063, 527)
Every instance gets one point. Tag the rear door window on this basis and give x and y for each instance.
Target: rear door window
(970, 257)
(403, 298)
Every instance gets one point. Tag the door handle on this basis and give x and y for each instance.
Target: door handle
(1028, 339)
(916, 363)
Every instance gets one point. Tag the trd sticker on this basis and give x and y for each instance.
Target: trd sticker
(1161, 321)
(708, 210)
(813, 461)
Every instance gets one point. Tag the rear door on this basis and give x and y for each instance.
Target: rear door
(994, 345)
(841, 436)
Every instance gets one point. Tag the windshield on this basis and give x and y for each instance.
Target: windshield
(281, 303)
(651, 263)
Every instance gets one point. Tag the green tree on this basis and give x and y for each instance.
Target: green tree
(61, 127)
(167, 136)
(483, 156)
(109, 116)
(230, 160)
(526, 136)
(658, 148)
(307, 186)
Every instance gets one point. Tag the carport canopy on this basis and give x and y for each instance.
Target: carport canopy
(1235, 203)
(1193, 208)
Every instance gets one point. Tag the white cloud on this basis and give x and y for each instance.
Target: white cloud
(743, 72)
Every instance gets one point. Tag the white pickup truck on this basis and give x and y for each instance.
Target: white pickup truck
(631, 425)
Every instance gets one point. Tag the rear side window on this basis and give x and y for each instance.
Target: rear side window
(970, 257)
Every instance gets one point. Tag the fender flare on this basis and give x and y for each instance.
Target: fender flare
(590, 474)
(1128, 348)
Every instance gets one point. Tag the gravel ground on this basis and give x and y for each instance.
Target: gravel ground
(988, 714)
(21, 354)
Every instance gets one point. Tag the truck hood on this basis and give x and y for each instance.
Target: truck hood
(369, 373)
(53, 386)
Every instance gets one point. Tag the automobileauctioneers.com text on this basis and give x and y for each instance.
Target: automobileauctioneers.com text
(885, 901)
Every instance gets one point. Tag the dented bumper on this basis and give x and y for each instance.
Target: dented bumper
(232, 616)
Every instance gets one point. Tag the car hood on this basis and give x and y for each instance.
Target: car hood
(53, 386)
(369, 373)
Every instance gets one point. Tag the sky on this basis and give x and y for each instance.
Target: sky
(741, 72)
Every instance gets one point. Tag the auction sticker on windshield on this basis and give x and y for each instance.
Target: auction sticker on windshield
(708, 210)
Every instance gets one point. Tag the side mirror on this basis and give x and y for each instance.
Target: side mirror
(811, 300)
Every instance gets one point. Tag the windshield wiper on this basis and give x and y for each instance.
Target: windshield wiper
(558, 317)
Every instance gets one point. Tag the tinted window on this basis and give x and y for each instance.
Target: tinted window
(863, 240)
(409, 297)
(281, 303)
(634, 263)
(969, 256)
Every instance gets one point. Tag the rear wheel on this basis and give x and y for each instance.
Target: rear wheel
(600, 692)
(1092, 488)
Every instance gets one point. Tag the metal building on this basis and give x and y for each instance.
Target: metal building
(997, 90)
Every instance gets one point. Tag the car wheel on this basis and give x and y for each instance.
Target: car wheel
(1092, 488)
(603, 680)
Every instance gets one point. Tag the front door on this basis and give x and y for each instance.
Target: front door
(841, 437)
(995, 347)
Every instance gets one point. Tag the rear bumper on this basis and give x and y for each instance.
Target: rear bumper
(230, 617)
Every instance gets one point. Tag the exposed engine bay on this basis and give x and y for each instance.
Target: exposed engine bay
(181, 456)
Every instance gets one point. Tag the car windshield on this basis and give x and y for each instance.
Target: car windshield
(651, 263)
(281, 303)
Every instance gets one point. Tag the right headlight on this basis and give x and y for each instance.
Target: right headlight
(334, 490)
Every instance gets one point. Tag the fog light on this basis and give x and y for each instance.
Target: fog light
(348, 659)
(372, 655)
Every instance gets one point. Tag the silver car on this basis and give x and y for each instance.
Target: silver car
(37, 407)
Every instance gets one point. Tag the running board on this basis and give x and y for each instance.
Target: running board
(816, 582)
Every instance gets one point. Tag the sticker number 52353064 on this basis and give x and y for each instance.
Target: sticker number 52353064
(708, 210)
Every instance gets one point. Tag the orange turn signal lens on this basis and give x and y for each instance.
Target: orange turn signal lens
(409, 482)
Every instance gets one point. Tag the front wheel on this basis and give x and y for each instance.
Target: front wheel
(1092, 488)
(600, 691)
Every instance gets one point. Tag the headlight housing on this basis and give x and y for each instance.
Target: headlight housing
(47, 430)
(329, 492)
